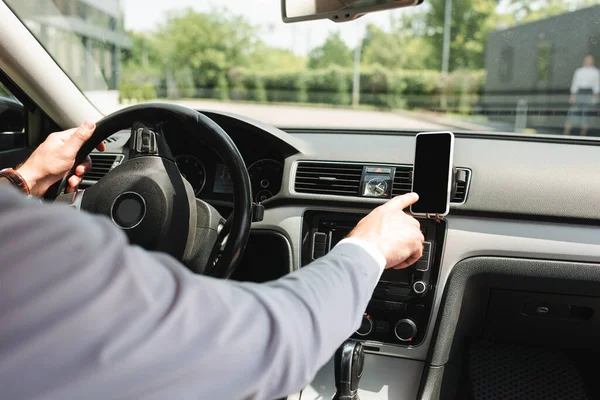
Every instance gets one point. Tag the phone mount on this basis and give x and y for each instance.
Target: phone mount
(458, 175)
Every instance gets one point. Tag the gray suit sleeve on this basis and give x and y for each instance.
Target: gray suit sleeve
(85, 315)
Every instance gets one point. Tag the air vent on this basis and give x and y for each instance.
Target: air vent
(461, 187)
(402, 180)
(328, 178)
(101, 164)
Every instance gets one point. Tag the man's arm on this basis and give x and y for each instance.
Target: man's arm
(84, 312)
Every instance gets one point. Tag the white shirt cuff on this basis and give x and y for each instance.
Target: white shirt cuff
(369, 248)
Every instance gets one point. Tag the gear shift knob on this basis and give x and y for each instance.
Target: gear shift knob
(348, 365)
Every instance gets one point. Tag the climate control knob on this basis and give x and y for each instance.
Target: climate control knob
(405, 330)
(420, 287)
(366, 326)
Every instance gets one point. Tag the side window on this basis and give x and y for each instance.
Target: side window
(12, 121)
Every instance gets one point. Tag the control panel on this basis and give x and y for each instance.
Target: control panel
(399, 310)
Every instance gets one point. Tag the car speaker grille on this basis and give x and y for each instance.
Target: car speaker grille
(101, 164)
(328, 178)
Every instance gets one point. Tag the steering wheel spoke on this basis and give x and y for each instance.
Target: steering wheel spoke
(73, 199)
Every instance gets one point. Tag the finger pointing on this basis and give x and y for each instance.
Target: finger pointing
(401, 202)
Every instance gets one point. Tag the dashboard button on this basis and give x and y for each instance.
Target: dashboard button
(319, 245)
(405, 330)
(366, 326)
(426, 247)
(422, 265)
(420, 287)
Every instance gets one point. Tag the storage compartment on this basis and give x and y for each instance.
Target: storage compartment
(517, 329)
(267, 257)
(543, 319)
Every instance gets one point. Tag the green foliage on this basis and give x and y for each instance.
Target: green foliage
(381, 87)
(144, 54)
(471, 21)
(266, 58)
(222, 89)
(329, 85)
(148, 91)
(184, 82)
(235, 78)
(301, 85)
(282, 86)
(255, 86)
(210, 44)
(333, 52)
(136, 92)
(402, 46)
(462, 89)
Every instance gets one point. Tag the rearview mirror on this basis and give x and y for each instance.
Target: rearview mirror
(336, 10)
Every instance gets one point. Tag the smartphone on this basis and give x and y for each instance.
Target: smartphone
(432, 173)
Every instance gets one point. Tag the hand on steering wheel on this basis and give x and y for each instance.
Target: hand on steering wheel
(55, 157)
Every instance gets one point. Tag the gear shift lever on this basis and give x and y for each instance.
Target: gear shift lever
(348, 365)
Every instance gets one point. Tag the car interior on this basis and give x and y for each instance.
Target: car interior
(504, 303)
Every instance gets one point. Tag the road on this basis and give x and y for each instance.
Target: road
(306, 116)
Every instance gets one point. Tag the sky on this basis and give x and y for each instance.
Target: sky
(144, 15)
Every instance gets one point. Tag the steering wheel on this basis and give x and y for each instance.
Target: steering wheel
(147, 197)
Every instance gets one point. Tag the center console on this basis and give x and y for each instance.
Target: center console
(399, 311)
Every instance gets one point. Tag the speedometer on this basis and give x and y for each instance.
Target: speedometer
(266, 176)
(192, 169)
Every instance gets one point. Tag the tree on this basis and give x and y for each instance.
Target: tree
(333, 52)
(143, 52)
(208, 43)
(266, 58)
(471, 21)
(403, 47)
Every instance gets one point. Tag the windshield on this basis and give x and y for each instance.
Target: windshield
(525, 66)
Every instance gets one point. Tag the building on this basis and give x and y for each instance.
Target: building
(85, 37)
(531, 66)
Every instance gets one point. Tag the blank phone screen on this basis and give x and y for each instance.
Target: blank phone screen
(430, 173)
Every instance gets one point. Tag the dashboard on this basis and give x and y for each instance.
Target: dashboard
(203, 167)
(524, 199)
